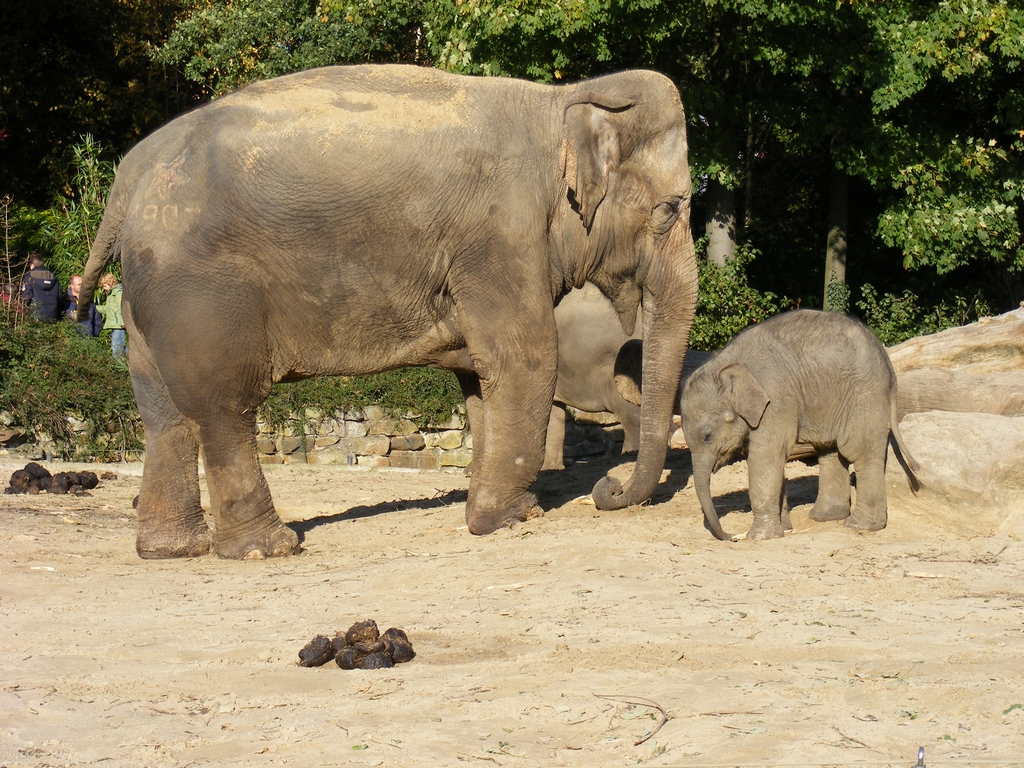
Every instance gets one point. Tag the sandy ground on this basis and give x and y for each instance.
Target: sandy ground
(564, 641)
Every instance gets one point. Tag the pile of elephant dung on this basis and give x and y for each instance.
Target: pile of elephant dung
(362, 647)
(37, 479)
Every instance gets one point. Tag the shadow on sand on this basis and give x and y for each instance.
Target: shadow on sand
(440, 499)
(553, 489)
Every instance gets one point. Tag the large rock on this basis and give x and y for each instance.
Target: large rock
(972, 472)
(415, 459)
(414, 442)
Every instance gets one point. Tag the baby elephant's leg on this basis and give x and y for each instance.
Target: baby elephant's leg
(786, 524)
(767, 478)
(833, 502)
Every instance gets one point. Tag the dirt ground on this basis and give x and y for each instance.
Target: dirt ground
(566, 640)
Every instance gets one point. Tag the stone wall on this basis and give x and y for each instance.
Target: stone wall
(368, 437)
(371, 437)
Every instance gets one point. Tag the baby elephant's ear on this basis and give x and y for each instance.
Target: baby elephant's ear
(745, 395)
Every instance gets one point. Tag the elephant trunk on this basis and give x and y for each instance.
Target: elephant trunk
(669, 303)
(702, 485)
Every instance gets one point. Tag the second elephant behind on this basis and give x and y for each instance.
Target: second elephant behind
(599, 368)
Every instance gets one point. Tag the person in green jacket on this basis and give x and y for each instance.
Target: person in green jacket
(111, 312)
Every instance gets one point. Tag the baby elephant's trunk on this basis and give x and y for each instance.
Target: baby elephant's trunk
(702, 484)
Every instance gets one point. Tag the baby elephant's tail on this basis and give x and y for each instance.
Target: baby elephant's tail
(908, 462)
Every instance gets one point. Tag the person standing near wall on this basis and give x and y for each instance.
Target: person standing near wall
(40, 290)
(111, 311)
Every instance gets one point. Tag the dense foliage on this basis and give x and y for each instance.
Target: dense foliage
(898, 318)
(920, 105)
(50, 372)
(222, 45)
(69, 226)
(71, 68)
(727, 303)
(916, 107)
(425, 395)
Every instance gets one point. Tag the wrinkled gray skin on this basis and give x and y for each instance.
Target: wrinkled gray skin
(351, 220)
(802, 378)
(596, 371)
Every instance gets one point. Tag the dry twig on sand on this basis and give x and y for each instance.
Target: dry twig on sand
(639, 701)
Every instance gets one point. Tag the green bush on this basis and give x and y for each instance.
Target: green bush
(426, 394)
(727, 303)
(72, 221)
(898, 318)
(49, 372)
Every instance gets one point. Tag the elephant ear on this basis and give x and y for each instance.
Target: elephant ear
(746, 396)
(628, 372)
(590, 150)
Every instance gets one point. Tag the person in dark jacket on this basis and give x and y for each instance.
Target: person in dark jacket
(92, 325)
(41, 291)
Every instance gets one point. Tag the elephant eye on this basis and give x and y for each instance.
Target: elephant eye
(665, 214)
(707, 437)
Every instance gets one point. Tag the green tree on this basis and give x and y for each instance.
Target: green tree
(726, 302)
(950, 105)
(72, 221)
(71, 68)
(223, 44)
(891, 129)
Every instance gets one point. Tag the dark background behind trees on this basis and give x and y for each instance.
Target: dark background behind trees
(895, 128)
(72, 68)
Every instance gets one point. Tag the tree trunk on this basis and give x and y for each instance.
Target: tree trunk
(977, 368)
(836, 292)
(720, 222)
(748, 171)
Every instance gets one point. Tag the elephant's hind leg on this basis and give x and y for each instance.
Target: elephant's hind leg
(833, 502)
(170, 519)
(220, 394)
(870, 512)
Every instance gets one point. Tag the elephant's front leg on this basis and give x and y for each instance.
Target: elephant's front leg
(629, 417)
(517, 368)
(766, 468)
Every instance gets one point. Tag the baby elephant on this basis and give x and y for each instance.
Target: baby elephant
(806, 378)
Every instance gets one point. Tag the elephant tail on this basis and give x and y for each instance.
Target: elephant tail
(907, 461)
(106, 248)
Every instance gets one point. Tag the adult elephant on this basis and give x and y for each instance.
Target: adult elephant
(351, 220)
